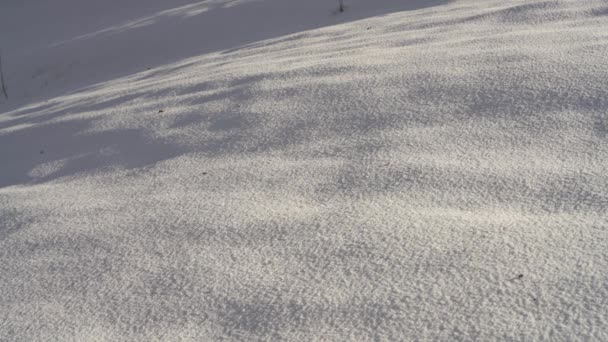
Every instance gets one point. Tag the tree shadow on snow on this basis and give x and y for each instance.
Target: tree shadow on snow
(178, 33)
(47, 152)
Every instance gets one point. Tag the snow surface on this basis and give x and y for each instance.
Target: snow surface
(274, 170)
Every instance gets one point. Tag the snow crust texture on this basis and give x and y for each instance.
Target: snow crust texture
(276, 171)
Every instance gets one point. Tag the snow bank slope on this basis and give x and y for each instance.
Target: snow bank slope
(74, 42)
(422, 173)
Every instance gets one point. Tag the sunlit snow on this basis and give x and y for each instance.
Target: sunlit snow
(275, 170)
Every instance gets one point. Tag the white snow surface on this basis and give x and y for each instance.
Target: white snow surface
(273, 170)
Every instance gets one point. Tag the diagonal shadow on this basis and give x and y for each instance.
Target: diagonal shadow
(47, 152)
(174, 34)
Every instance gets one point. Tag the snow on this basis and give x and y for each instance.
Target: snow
(256, 170)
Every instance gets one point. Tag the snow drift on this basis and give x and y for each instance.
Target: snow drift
(274, 170)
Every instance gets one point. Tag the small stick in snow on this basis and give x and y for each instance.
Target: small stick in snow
(519, 276)
(2, 85)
